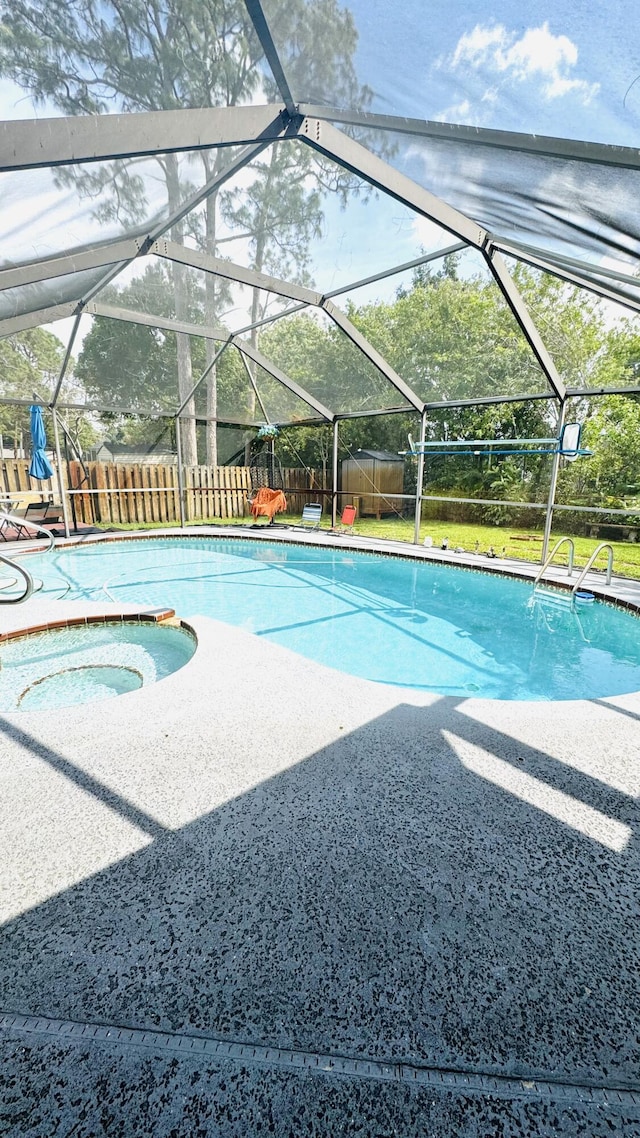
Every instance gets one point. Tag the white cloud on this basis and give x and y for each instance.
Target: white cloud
(459, 112)
(490, 95)
(536, 56)
(477, 46)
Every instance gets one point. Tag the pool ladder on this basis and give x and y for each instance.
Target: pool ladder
(562, 597)
(13, 564)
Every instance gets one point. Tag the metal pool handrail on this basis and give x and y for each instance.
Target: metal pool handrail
(552, 555)
(24, 573)
(597, 550)
(28, 582)
(16, 520)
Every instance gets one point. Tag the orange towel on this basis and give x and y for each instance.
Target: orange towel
(268, 502)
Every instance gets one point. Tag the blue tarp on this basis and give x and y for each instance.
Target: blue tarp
(39, 466)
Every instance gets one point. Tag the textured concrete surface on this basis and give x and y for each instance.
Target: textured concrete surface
(262, 851)
(86, 1091)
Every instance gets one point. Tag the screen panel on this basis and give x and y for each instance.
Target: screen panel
(448, 332)
(316, 353)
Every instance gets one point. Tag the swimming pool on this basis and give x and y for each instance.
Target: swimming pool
(414, 624)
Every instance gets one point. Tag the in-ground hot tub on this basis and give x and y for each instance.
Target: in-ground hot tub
(83, 662)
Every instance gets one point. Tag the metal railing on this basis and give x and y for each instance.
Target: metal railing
(28, 583)
(551, 556)
(594, 555)
(15, 519)
(25, 523)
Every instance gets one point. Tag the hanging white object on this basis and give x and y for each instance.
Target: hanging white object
(570, 441)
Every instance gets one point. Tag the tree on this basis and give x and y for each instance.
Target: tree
(130, 365)
(29, 364)
(575, 328)
(133, 366)
(611, 476)
(454, 338)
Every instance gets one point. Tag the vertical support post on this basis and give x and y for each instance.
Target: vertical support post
(420, 479)
(334, 476)
(552, 487)
(183, 520)
(61, 489)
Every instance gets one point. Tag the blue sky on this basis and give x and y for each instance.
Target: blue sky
(560, 67)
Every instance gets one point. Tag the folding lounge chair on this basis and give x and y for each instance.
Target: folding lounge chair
(311, 515)
(44, 513)
(346, 523)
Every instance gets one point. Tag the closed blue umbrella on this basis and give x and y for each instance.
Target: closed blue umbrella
(39, 467)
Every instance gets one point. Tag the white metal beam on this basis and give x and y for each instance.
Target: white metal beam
(517, 305)
(209, 368)
(35, 319)
(567, 149)
(403, 268)
(254, 386)
(579, 280)
(238, 163)
(209, 333)
(509, 245)
(131, 316)
(142, 412)
(284, 379)
(31, 143)
(66, 360)
(207, 263)
(263, 31)
(75, 262)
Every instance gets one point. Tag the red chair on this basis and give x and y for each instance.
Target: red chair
(347, 520)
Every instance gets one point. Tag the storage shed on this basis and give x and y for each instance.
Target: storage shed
(134, 453)
(371, 472)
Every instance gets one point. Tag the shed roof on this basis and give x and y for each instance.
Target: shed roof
(380, 455)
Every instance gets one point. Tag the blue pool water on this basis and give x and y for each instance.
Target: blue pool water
(420, 625)
(84, 663)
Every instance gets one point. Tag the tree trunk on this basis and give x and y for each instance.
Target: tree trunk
(210, 306)
(258, 265)
(188, 434)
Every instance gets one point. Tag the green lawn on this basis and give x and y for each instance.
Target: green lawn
(524, 545)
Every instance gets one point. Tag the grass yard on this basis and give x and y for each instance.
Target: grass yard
(523, 545)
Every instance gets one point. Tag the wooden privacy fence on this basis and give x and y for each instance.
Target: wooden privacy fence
(15, 481)
(124, 493)
(109, 493)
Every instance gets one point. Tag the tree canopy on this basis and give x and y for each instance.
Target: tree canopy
(29, 365)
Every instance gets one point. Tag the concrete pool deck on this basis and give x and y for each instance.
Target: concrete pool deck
(262, 896)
